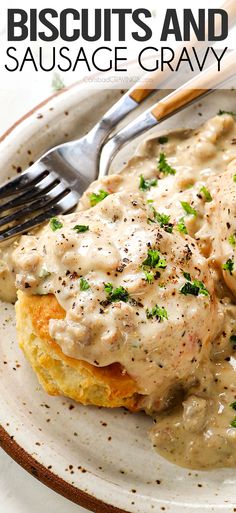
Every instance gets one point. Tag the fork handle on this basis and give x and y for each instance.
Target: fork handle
(195, 88)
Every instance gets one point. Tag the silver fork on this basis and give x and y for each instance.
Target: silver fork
(54, 184)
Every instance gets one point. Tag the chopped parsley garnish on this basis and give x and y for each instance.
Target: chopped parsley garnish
(80, 228)
(187, 276)
(154, 260)
(189, 288)
(233, 339)
(145, 185)
(232, 240)
(193, 287)
(159, 312)
(149, 277)
(97, 197)
(114, 295)
(164, 167)
(163, 139)
(108, 287)
(163, 220)
(228, 266)
(188, 209)
(221, 112)
(233, 423)
(202, 288)
(55, 224)
(181, 226)
(84, 285)
(234, 178)
(206, 193)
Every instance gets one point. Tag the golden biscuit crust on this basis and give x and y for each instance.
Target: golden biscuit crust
(59, 374)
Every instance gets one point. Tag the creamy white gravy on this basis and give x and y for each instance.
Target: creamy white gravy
(149, 281)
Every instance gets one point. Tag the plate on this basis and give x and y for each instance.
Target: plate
(101, 459)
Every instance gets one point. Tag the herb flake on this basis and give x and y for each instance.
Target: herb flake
(149, 277)
(188, 209)
(164, 167)
(189, 288)
(154, 260)
(80, 228)
(163, 220)
(117, 294)
(228, 266)
(84, 284)
(181, 226)
(55, 224)
(163, 139)
(232, 340)
(193, 287)
(95, 198)
(145, 185)
(206, 193)
(232, 240)
(187, 276)
(233, 423)
(158, 312)
(230, 112)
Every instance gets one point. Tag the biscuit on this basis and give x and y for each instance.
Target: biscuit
(59, 374)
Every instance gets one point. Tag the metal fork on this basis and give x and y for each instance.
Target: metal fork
(54, 184)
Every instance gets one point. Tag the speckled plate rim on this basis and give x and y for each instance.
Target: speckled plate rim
(48, 478)
(7, 443)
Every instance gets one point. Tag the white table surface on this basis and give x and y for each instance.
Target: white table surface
(20, 492)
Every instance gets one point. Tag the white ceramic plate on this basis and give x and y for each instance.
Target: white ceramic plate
(100, 459)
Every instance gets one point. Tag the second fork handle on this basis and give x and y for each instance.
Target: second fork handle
(195, 88)
(169, 105)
